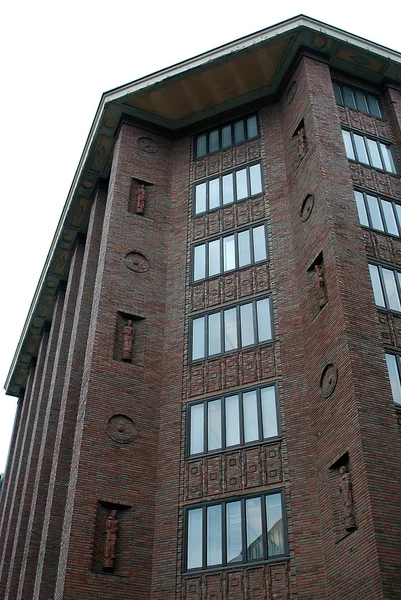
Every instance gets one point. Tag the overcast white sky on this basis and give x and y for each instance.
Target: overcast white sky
(57, 59)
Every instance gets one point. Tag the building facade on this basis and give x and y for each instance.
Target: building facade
(209, 378)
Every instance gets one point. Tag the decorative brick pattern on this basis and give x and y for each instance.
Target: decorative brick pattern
(226, 159)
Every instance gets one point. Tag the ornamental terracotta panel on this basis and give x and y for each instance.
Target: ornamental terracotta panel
(252, 467)
(213, 586)
(194, 479)
(213, 475)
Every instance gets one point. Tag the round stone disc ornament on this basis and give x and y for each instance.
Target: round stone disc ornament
(137, 262)
(121, 429)
(328, 380)
(307, 207)
(146, 144)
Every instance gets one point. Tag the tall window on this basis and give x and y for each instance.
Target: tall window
(235, 531)
(394, 371)
(378, 213)
(231, 328)
(226, 189)
(228, 135)
(386, 287)
(244, 417)
(239, 249)
(357, 99)
(368, 151)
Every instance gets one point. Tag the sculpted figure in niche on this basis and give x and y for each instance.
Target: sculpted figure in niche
(320, 283)
(128, 341)
(111, 529)
(345, 486)
(141, 200)
(302, 142)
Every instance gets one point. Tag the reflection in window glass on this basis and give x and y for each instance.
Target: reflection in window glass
(247, 328)
(199, 262)
(226, 137)
(269, 412)
(234, 532)
(214, 141)
(252, 127)
(242, 184)
(197, 426)
(228, 189)
(360, 149)
(198, 338)
(200, 198)
(360, 204)
(194, 552)
(254, 539)
(348, 145)
(357, 99)
(230, 330)
(376, 284)
(229, 253)
(394, 376)
(214, 546)
(274, 525)
(214, 334)
(214, 258)
(214, 424)
(256, 180)
(214, 193)
(232, 421)
(361, 101)
(239, 132)
(389, 163)
(201, 145)
(264, 322)
(391, 289)
(251, 431)
(374, 211)
(244, 248)
(374, 107)
(348, 95)
(259, 243)
(375, 159)
(389, 217)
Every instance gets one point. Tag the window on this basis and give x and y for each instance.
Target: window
(378, 213)
(235, 531)
(369, 152)
(231, 328)
(386, 287)
(228, 188)
(244, 417)
(394, 366)
(357, 99)
(239, 249)
(226, 136)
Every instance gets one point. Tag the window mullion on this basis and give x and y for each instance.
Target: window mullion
(243, 529)
(367, 210)
(351, 135)
(383, 216)
(264, 526)
(383, 286)
(222, 332)
(259, 411)
(224, 533)
(255, 322)
(239, 329)
(241, 419)
(205, 426)
(381, 157)
(204, 537)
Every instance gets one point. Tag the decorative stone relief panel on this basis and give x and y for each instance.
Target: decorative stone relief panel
(390, 325)
(225, 159)
(264, 582)
(243, 469)
(231, 287)
(366, 123)
(252, 364)
(382, 247)
(383, 183)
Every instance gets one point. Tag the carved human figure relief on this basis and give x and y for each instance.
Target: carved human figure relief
(345, 485)
(320, 283)
(111, 529)
(128, 341)
(141, 200)
(302, 142)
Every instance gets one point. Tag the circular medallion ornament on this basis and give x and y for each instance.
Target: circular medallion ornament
(328, 380)
(307, 207)
(121, 429)
(137, 262)
(147, 145)
(292, 90)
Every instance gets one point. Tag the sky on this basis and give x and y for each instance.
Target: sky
(57, 60)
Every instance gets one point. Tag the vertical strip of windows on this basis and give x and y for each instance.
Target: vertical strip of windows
(369, 151)
(386, 285)
(226, 136)
(357, 99)
(378, 213)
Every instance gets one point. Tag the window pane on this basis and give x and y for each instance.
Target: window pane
(362, 155)
(252, 127)
(201, 145)
(194, 557)
(197, 428)
(389, 217)
(213, 548)
(374, 106)
(251, 431)
(198, 338)
(200, 198)
(226, 137)
(259, 243)
(234, 532)
(375, 159)
(348, 145)
(389, 163)
(214, 258)
(263, 319)
(377, 288)
(254, 538)
(391, 289)
(214, 193)
(274, 525)
(269, 412)
(374, 211)
(214, 140)
(394, 377)
(239, 132)
(230, 329)
(256, 179)
(199, 262)
(398, 211)
(242, 184)
(337, 93)
(228, 253)
(247, 329)
(360, 204)
(214, 321)
(244, 249)
(228, 189)
(348, 95)
(361, 101)
(214, 424)
(232, 421)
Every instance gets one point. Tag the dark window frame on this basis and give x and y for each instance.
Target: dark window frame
(380, 198)
(219, 129)
(223, 503)
(380, 268)
(221, 311)
(341, 101)
(234, 233)
(220, 176)
(378, 141)
(397, 356)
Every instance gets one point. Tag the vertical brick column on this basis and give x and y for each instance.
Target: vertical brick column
(106, 473)
(62, 454)
(26, 578)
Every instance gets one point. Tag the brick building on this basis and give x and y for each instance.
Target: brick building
(207, 353)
